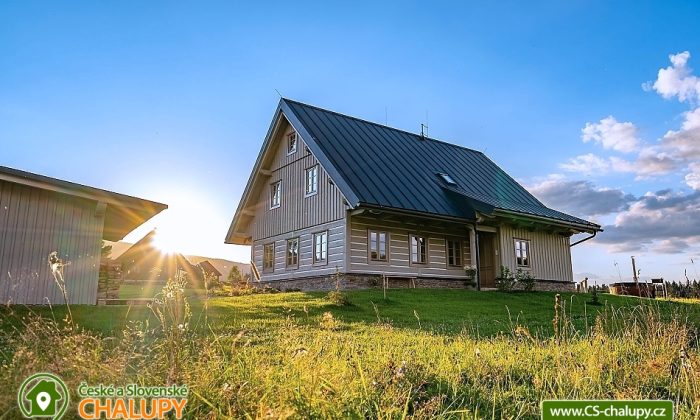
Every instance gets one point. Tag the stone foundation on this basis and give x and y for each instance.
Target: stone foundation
(368, 281)
(364, 281)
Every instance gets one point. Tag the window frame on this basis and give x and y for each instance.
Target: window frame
(528, 252)
(291, 150)
(386, 246)
(270, 269)
(460, 254)
(272, 195)
(316, 260)
(425, 252)
(287, 263)
(315, 169)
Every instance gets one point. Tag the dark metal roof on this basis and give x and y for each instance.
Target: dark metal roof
(387, 167)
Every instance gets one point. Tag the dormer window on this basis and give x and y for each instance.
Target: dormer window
(447, 179)
(292, 141)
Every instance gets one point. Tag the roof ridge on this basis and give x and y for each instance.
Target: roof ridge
(330, 111)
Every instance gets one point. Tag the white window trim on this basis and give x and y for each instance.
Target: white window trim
(387, 247)
(286, 254)
(313, 238)
(529, 252)
(296, 142)
(272, 205)
(410, 249)
(460, 254)
(306, 181)
(270, 269)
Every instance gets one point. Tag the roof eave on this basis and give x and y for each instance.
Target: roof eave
(591, 227)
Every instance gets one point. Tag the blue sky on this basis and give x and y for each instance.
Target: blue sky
(171, 100)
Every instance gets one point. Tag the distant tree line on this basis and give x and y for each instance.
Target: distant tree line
(683, 290)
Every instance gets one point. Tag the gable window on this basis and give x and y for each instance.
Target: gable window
(312, 180)
(377, 246)
(522, 252)
(269, 257)
(293, 252)
(454, 253)
(419, 247)
(320, 247)
(292, 141)
(275, 194)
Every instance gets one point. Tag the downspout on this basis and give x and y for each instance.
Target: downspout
(478, 262)
(584, 239)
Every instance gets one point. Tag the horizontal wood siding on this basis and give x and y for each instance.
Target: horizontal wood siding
(34, 223)
(336, 253)
(399, 252)
(549, 252)
(295, 211)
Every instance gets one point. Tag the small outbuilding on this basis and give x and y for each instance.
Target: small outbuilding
(46, 223)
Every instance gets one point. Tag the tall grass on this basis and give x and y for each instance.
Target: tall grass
(318, 367)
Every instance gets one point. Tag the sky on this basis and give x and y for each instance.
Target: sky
(593, 106)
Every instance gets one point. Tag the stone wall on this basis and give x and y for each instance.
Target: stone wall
(368, 281)
(363, 281)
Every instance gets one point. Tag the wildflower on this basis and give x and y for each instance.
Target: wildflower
(477, 352)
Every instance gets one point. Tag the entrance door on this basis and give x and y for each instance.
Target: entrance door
(487, 259)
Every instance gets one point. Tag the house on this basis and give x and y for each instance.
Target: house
(209, 270)
(330, 192)
(50, 226)
(145, 261)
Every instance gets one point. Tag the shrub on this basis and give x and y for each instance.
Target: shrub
(506, 281)
(338, 298)
(526, 278)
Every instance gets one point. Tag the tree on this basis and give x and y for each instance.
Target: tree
(234, 276)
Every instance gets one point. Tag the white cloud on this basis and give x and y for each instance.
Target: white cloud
(649, 162)
(580, 198)
(693, 178)
(677, 80)
(663, 221)
(586, 164)
(611, 134)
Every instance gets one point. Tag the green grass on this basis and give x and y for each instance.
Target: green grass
(480, 314)
(424, 353)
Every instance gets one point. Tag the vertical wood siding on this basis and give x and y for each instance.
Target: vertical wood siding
(34, 223)
(336, 253)
(399, 253)
(549, 252)
(295, 211)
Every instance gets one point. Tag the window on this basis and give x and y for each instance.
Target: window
(275, 194)
(377, 246)
(269, 257)
(419, 247)
(292, 143)
(522, 252)
(312, 180)
(293, 252)
(454, 253)
(447, 179)
(320, 247)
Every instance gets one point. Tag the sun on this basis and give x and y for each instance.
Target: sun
(165, 242)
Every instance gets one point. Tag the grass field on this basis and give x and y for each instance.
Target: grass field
(421, 352)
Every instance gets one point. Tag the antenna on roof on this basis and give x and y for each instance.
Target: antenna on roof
(278, 92)
(386, 115)
(423, 131)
